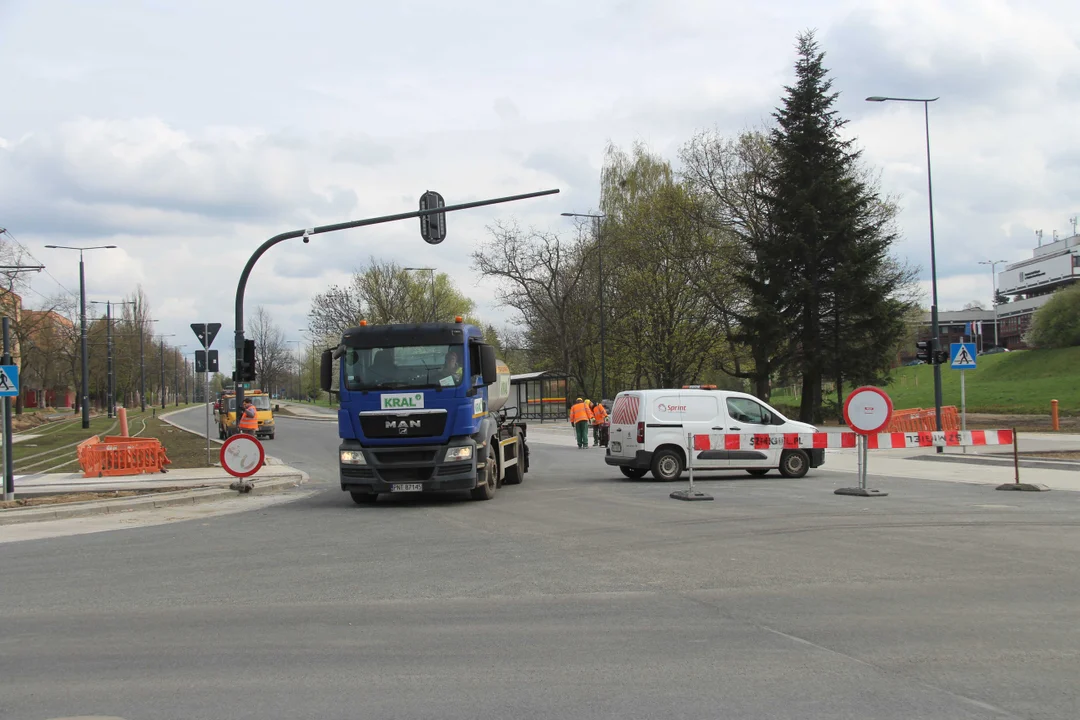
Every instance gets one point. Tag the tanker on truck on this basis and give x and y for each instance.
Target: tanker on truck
(422, 411)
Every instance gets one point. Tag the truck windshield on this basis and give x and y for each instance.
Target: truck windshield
(404, 366)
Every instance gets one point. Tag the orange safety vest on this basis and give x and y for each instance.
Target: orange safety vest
(248, 422)
(578, 412)
(599, 414)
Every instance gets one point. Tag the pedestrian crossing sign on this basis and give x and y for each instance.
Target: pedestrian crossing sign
(9, 380)
(963, 356)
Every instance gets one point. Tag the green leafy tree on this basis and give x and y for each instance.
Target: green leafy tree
(1057, 323)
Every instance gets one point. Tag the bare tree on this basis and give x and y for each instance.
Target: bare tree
(271, 353)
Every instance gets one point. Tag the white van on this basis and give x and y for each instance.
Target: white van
(649, 431)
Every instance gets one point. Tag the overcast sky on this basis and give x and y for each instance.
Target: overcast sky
(189, 132)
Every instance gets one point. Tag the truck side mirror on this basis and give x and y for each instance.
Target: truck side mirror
(326, 370)
(487, 364)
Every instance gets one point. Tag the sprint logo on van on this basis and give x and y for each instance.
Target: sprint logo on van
(664, 407)
(402, 401)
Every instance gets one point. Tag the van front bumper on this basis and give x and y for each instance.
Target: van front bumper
(642, 460)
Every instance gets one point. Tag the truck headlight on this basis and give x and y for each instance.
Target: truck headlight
(459, 454)
(352, 457)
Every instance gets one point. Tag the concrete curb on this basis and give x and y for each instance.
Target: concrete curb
(13, 516)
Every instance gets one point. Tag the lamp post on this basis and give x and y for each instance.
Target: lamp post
(313, 386)
(82, 325)
(434, 312)
(297, 343)
(993, 279)
(142, 364)
(110, 371)
(176, 374)
(162, 353)
(600, 286)
(933, 255)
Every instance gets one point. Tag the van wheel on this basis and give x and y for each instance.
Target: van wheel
(667, 465)
(633, 473)
(794, 463)
(759, 472)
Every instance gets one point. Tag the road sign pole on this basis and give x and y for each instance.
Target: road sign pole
(9, 459)
(963, 406)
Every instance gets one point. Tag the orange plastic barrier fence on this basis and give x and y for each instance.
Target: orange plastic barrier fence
(117, 455)
(919, 419)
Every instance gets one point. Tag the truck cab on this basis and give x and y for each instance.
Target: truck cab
(421, 411)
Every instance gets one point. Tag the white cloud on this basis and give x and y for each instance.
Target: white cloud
(189, 154)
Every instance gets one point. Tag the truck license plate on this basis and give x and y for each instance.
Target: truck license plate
(407, 487)
(616, 447)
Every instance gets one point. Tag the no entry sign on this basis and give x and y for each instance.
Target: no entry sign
(867, 410)
(242, 455)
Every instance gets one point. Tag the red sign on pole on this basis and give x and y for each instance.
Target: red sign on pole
(242, 455)
(868, 410)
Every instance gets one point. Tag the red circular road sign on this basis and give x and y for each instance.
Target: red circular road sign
(868, 410)
(242, 455)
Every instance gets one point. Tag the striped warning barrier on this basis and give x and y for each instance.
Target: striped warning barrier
(831, 440)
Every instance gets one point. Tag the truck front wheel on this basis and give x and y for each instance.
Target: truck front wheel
(363, 498)
(487, 490)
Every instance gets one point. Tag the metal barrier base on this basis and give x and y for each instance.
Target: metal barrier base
(690, 495)
(860, 492)
(1024, 487)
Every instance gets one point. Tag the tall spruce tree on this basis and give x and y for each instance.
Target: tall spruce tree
(838, 290)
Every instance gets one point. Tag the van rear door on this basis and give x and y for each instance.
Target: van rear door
(626, 414)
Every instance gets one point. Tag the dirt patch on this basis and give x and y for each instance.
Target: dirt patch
(1022, 423)
(82, 497)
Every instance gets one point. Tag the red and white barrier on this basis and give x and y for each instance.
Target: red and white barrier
(831, 440)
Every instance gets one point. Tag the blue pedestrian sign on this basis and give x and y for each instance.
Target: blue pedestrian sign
(9, 380)
(963, 356)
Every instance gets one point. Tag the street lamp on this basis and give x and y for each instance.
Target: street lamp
(313, 386)
(933, 255)
(142, 362)
(297, 342)
(993, 278)
(82, 325)
(434, 313)
(162, 353)
(176, 373)
(110, 371)
(600, 285)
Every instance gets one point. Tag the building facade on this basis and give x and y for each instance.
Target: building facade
(1029, 283)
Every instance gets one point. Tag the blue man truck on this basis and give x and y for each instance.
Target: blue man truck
(422, 411)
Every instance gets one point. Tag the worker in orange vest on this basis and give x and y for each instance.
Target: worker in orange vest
(248, 420)
(599, 420)
(579, 418)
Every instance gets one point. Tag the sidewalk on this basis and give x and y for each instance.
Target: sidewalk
(310, 412)
(198, 485)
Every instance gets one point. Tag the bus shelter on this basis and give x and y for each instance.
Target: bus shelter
(539, 396)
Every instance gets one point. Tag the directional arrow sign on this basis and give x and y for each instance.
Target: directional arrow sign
(206, 332)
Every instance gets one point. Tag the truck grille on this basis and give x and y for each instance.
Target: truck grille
(357, 473)
(391, 425)
(390, 457)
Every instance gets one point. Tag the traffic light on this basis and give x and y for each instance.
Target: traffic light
(432, 227)
(941, 357)
(247, 367)
(923, 352)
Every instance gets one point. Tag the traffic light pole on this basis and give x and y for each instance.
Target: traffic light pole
(305, 234)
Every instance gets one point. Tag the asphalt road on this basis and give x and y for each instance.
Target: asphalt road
(576, 595)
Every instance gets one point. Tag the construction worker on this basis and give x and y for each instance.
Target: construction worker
(579, 418)
(599, 420)
(248, 422)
